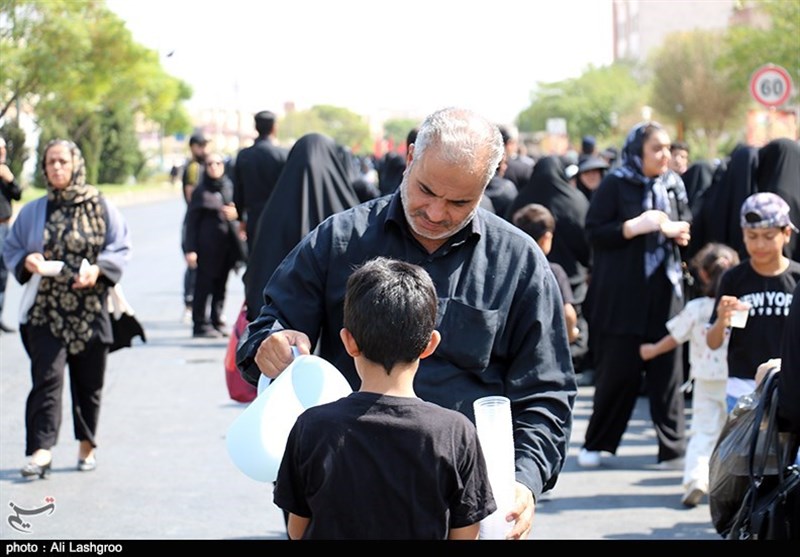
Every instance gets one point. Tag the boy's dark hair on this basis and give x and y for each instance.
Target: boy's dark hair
(679, 145)
(714, 258)
(535, 220)
(390, 309)
(265, 122)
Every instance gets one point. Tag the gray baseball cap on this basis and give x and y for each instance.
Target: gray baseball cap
(765, 210)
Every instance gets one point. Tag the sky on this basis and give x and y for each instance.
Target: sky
(387, 59)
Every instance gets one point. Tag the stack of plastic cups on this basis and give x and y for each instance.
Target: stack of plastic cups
(496, 434)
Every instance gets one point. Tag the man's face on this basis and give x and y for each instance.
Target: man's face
(199, 151)
(439, 198)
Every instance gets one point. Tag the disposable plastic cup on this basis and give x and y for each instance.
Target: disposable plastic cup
(739, 318)
(496, 436)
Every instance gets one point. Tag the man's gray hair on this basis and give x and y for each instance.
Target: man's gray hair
(465, 138)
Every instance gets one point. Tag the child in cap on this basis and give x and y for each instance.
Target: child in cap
(708, 368)
(762, 284)
(381, 463)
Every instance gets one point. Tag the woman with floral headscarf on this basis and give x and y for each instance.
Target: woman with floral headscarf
(637, 220)
(66, 322)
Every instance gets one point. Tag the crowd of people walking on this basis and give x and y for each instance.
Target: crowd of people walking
(619, 269)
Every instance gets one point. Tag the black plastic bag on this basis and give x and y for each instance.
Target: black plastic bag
(728, 465)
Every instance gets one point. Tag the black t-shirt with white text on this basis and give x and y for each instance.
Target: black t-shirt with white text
(769, 299)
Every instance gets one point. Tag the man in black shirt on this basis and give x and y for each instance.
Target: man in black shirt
(255, 173)
(500, 313)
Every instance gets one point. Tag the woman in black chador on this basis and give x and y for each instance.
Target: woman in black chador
(314, 184)
(212, 246)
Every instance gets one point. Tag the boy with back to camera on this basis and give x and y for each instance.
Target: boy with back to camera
(382, 463)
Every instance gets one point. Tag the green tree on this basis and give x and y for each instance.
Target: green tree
(16, 152)
(70, 60)
(119, 149)
(692, 87)
(595, 103)
(397, 129)
(343, 126)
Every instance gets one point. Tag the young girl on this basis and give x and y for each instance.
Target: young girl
(708, 368)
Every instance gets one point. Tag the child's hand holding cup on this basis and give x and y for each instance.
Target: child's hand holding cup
(739, 315)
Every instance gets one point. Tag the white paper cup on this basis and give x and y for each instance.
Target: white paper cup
(739, 318)
(496, 435)
(50, 268)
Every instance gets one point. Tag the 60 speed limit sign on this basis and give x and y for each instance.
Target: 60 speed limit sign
(771, 85)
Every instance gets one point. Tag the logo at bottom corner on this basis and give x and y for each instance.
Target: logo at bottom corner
(19, 517)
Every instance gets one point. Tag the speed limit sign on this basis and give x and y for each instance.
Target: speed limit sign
(771, 85)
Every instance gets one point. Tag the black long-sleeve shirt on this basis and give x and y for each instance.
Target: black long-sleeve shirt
(9, 191)
(500, 315)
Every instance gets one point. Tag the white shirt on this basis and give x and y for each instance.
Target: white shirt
(691, 325)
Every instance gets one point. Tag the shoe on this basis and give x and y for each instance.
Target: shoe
(672, 464)
(87, 464)
(207, 333)
(589, 459)
(694, 494)
(6, 329)
(32, 469)
(220, 328)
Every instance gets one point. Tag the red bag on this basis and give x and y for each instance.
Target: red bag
(238, 389)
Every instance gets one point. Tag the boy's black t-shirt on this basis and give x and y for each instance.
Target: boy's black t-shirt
(769, 299)
(372, 466)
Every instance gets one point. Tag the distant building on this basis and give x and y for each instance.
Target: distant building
(641, 25)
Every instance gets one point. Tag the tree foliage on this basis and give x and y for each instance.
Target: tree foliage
(71, 63)
(592, 103)
(692, 86)
(78, 53)
(16, 152)
(397, 129)
(343, 126)
(120, 152)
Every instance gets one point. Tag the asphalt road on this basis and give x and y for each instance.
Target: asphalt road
(163, 469)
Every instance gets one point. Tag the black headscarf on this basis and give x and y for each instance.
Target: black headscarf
(779, 172)
(549, 186)
(75, 230)
(698, 180)
(313, 186)
(719, 214)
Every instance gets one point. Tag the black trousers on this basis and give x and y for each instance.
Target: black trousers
(209, 289)
(618, 380)
(49, 360)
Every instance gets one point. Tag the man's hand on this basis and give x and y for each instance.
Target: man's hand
(275, 352)
(522, 513)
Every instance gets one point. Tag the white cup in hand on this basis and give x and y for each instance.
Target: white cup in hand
(674, 228)
(739, 316)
